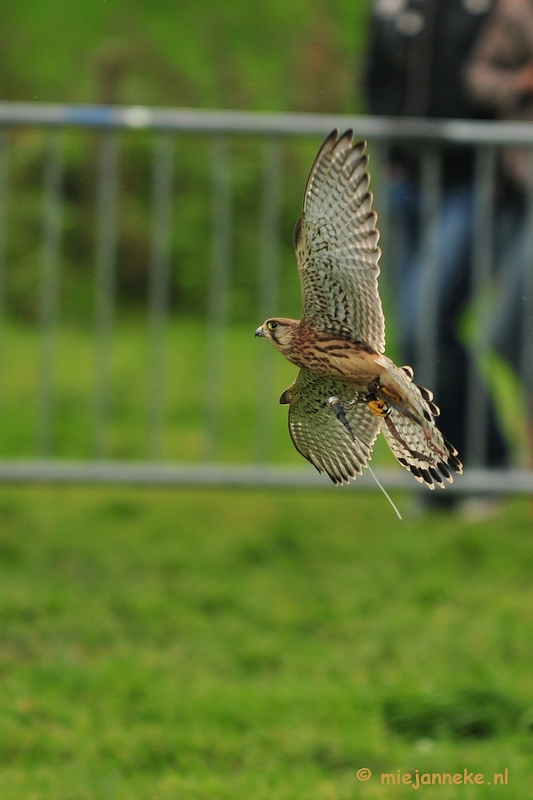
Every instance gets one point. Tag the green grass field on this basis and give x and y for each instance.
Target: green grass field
(242, 644)
(192, 644)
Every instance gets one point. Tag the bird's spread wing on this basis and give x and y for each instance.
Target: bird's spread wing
(320, 436)
(336, 244)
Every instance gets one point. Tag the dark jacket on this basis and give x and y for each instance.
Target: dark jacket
(415, 64)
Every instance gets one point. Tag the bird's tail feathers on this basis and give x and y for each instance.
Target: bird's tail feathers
(411, 432)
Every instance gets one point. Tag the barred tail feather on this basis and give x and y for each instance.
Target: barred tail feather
(421, 448)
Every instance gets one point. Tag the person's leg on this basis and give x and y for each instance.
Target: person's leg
(505, 328)
(454, 268)
(404, 199)
(454, 294)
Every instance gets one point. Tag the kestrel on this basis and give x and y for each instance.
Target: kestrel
(347, 390)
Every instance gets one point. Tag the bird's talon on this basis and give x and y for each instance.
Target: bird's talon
(379, 408)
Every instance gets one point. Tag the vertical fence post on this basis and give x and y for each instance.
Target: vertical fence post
(4, 163)
(158, 290)
(106, 245)
(218, 294)
(269, 243)
(381, 190)
(527, 308)
(49, 295)
(482, 263)
(427, 333)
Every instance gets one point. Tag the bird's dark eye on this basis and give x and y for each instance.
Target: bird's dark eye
(272, 325)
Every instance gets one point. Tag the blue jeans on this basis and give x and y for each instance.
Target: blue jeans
(454, 279)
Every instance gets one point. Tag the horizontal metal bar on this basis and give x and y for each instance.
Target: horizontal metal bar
(478, 481)
(455, 131)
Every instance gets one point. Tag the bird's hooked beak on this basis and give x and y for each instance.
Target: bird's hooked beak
(260, 331)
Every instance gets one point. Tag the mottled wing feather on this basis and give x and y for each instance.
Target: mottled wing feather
(320, 436)
(336, 245)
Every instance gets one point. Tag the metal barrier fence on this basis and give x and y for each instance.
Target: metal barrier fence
(429, 135)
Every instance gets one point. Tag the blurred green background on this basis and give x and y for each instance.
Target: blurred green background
(277, 56)
(198, 644)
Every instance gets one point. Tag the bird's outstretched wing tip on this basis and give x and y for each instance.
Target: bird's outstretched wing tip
(297, 236)
(348, 139)
(339, 141)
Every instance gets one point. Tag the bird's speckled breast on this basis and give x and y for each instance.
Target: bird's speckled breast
(334, 357)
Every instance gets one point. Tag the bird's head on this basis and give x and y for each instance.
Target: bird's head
(279, 331)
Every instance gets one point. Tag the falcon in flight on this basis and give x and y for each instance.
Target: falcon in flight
(347, 390)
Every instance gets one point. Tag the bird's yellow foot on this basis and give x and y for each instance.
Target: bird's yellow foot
(379, 408)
